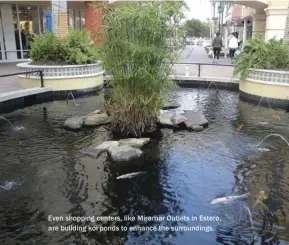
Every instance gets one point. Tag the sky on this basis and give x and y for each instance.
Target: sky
(199, 9)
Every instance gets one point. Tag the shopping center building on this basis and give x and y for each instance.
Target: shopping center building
(20, 20)
(265, 18)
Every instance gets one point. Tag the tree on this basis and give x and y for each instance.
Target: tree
(197, 28)
(138, 54)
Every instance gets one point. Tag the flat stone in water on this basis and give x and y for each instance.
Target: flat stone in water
(165, 120)
(93, 153)
(178, 119)
(134, 142)
(195, 118)
(123, 153)
(74, 122)
(106, 144)
(96, 119)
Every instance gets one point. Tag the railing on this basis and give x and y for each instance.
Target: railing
(27, 73)
(203, 70)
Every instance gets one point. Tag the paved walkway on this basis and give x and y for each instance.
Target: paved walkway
(197, 54)
(8, 84)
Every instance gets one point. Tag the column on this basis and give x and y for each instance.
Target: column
(286, 31)
(93, 20)
(245, 31)
(8, 30)
(259, 24)
(59, 18)
(275, 22)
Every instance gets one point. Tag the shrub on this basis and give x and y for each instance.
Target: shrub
(76, 49)
(139, 58)
(260, 54)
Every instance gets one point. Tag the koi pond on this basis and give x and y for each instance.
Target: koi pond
(44, 176)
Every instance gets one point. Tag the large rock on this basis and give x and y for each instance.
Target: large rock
(195, 118)
(178, 119)
(95, 119)
(134, 142)
(104, 146)
(165, 121)
(74, 122)
(123, 153)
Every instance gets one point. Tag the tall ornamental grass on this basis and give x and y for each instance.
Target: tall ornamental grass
(138, 52)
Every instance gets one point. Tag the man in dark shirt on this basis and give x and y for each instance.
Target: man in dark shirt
(217, 46)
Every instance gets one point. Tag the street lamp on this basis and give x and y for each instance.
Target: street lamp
(220, 11)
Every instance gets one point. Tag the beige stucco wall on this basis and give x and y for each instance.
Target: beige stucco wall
(247, 11)
(265, 90)
(63, 84)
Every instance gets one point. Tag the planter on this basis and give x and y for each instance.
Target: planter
(263, 86)
(65, 79)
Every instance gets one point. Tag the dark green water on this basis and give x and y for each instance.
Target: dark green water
(43, 173)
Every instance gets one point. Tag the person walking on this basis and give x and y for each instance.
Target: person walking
(233, 46)
(217, 46)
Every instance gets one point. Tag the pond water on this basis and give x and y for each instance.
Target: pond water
(42, 173)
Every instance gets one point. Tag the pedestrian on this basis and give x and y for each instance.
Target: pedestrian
(233, 46)
(217, 46)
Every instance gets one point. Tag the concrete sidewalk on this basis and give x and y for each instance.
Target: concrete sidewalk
(8, 84)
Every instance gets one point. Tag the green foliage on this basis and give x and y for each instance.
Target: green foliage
(138, 54)
(76, 49)
(197, 28)
(260, 54)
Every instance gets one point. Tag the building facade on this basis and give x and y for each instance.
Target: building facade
(21, 20)
(265, 18)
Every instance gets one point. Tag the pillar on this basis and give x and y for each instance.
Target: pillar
(259, 23)
(286, 31)
(59, 18)
(245, 31)
(275, 22)
(93, 20)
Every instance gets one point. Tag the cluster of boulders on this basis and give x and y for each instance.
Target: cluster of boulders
(96, 118)
(180, 119)
(128, 149)
(119, 151)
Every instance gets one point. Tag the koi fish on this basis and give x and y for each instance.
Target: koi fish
(262, 123)
(229, 199)
(263, 149)
(130, 175)
(276, 116)
(240, 127)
